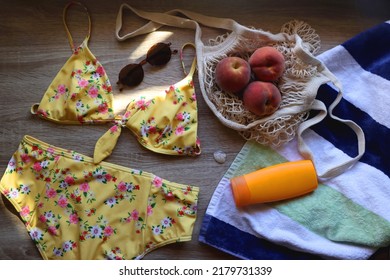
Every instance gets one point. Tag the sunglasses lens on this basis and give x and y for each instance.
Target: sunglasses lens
(159, 54)
(131, 75)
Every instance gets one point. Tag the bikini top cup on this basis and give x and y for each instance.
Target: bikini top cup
(81, 93)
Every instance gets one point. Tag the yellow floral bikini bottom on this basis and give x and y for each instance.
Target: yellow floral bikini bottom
(75, 209)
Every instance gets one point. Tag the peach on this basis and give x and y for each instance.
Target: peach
(267, 64)
(262, 98)
(232, 74)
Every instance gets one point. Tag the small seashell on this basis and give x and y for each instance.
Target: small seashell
(219, 156)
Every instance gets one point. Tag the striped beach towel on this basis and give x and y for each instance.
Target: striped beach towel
(347, 217)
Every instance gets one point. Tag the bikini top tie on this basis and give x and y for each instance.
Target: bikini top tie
(81, 93)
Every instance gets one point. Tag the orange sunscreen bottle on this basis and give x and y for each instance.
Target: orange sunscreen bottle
(273, 183)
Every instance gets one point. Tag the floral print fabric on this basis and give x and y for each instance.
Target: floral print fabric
(174, 132)
(80, 93)
(74, 209)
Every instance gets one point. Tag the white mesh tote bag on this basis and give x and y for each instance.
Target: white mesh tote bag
(299, 84)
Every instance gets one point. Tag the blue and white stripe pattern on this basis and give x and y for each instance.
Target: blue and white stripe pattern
(347, 217)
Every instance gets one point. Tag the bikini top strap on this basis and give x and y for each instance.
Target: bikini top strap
(66, 26)
(193, 65)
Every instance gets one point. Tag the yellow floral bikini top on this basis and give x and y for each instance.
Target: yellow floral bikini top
(81, 93)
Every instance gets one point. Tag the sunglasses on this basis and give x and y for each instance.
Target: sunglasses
(132, 74)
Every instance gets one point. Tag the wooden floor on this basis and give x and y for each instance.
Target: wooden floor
(33, 47)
